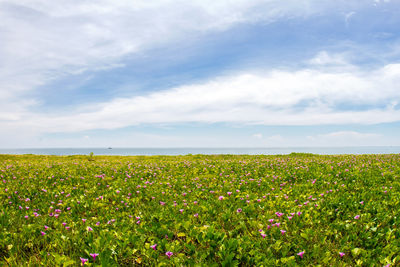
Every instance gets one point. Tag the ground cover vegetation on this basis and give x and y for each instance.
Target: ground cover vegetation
(200, 210)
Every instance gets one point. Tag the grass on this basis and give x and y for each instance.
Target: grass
(200, 210)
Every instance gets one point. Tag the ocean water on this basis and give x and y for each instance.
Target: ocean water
(205, 151)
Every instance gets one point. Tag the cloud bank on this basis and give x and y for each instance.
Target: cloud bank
(310, 96)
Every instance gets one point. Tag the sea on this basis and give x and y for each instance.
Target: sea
(204, 151)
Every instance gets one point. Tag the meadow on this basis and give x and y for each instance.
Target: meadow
(198, 210)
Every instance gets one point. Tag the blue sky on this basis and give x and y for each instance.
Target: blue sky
(168, 73)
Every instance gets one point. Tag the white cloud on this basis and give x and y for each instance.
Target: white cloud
(303, 97)
(348, 16)
(350, 134)
(45, 40)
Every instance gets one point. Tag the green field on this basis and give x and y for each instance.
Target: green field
(290, 210)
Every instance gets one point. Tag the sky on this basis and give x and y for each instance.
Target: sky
(199, 73)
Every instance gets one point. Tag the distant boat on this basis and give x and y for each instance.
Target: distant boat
(110, 148)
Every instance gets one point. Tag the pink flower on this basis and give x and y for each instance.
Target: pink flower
(271, 220)
(341, 254)
(263, 235)
(301, 253)
(196, 215)
(154, 247)
(181, 210)
(221, 198)
(94, 255)
(83, 220)
(90, 229)
(83, 261)
(229, 193)
(169, 254)
(357, 217)
(43, 233)
(46, 227)
(239, 210)
(138, 222)
(283, 232)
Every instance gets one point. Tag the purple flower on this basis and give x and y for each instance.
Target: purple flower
(154, 247)
(239, 210)
(94, 255)
(43, 233)
(357, 217)
(169, 254)
(83, 261)
(341, 254)
(301, 253)
(221, 197)
(90, 229)
(283, 232)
